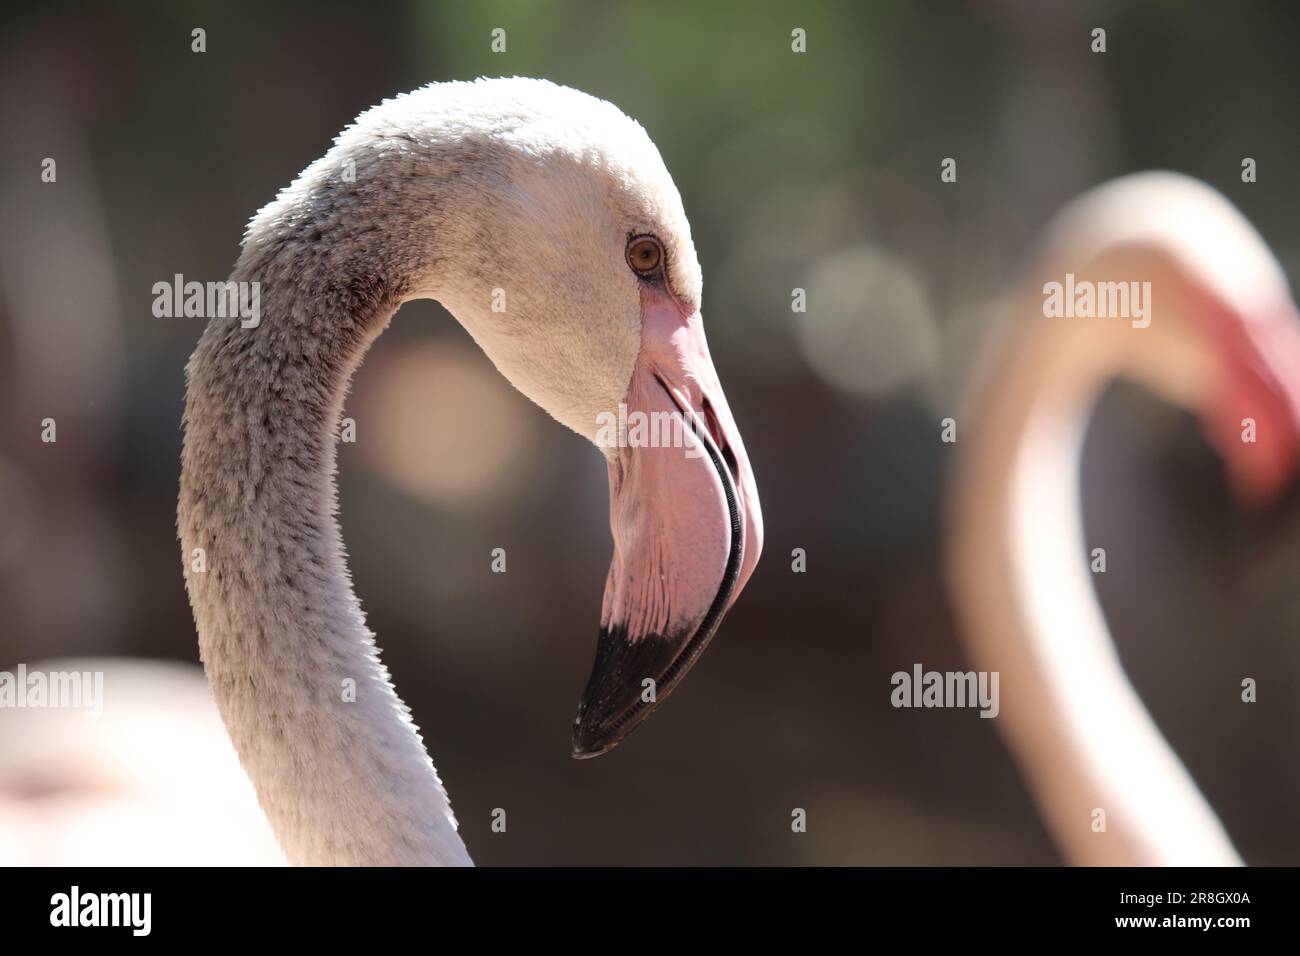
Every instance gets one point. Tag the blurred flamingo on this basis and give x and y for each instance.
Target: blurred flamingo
(1224, 341)
(151, 781)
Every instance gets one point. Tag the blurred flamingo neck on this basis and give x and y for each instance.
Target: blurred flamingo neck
(1022, 579)
(338, 766)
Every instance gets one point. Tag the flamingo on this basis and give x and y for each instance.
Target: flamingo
(127, 786)
(1224, 341)
(546, 222)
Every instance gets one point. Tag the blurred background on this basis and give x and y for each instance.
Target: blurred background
(817, 171)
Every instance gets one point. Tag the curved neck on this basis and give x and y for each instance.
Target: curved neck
(1023, 586)
(339, 768)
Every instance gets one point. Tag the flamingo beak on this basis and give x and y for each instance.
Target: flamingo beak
(1256, 421)
(686, 523)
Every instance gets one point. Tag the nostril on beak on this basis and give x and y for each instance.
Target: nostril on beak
(715, 430)
(730, 457)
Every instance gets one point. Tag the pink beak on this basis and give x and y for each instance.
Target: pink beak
(1262, 384)
(687, 528)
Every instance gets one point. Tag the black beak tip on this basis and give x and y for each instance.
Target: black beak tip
(593, 736)
(612, 704)
(585, 751)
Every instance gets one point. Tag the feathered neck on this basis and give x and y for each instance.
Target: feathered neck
(339, 768)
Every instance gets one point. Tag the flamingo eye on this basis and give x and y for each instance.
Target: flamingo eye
(645, 255)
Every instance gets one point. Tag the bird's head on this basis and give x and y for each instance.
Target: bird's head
(559, 241)
(1223, 332)
(1253, 418)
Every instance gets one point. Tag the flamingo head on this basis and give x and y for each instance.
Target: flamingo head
(563, 248)
(1232, 349)
(1252, 415)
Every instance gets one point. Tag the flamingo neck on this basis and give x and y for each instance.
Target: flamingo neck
(339, 767)
(1023, 584)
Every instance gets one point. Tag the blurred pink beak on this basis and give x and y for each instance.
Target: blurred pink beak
(687, 528)
(1262, 385)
